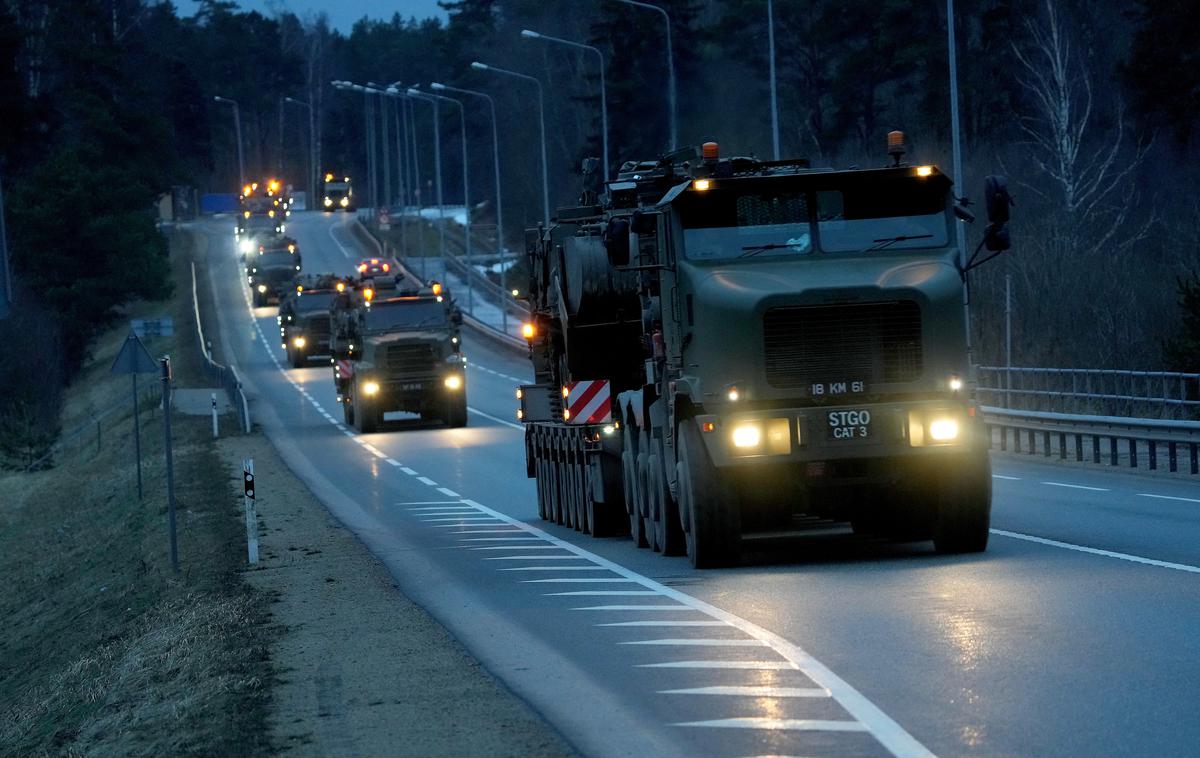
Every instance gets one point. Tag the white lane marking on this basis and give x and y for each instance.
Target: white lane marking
(393, 462)
(497, 539)
(347, 433)
(481, 367)
(752, 691)
(664, 622)
(1097, 551)
(554, 568)
(676, 607)
(497, 419)
(341, 247)
(448, 492)
(781, 725)
(738, 665)
(688, 642)
(442, 510)
(434, 505)
(581, 580)
(1010, 478)
(1077, 486)
(360, 442)
(1169, 497)
(506, 530)
(459, 524)
(602, 593)
(888, 732)
(534, 558)
(456, 519)
(522, 547)
(408, 471)
(426, 480)
(376, 453)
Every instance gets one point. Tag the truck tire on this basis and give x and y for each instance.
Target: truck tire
(366, 418)
(605, 518)
(964, 506)
(456, 413)
(348, 411)
(668, 531)
(707, 505)
(643, 498)
(540, 482)
(629, 480)
(296, 357)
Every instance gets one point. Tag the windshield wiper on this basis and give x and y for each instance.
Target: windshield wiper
(751, 250)
(883, 242)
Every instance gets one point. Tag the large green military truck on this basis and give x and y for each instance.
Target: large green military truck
(399, 352)
(271, 271)
(732, 349)
(304, 317)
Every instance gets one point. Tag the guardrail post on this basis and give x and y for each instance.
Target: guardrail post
(1003, 436)
(1112, 449)
(1153, 455)
(1172, 461)
(1195, 459)
(1062, 445)
(1132, 453)
(1046, 442)
(1032, 441)
(1095, 449)
(1016, 439)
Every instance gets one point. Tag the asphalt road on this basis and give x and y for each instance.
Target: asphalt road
(1074, 634)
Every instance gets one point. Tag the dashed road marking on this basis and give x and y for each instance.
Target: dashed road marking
(497, 539)
(393, 462)
(1009, 478)
(497, 419)
(1169, 497)
(448, 492)
(433, 505)
(751, 691)
(426, 480)
(1076, 486)
(534, 558)
(579, 580)
(408, 471)
(554, 568)
(521, 547)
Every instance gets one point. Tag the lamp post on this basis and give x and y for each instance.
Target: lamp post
(541, 121)
(417, 95)
(528, 34)
(312, 150)
(383, 146)
(670, 63)
(774, 96)
(462, 119)
(400, 121)
(237, 128)
(955, 140)
(499, 201)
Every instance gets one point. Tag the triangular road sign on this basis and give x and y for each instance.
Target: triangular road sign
(134, 358)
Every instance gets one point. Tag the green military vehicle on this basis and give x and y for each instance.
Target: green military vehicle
(304, 321)
(272, 270)
(729, 350)
(398, 351)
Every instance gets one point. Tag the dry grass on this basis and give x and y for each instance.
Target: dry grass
(104, 649)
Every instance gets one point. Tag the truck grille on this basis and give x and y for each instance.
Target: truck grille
(872, 342)
(318, 326)
(410, 359)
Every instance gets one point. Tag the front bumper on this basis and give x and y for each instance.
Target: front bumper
(843, 433)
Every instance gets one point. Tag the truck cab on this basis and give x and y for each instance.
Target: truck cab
(271, 271)
(304, 317)
(337, 194)
(398, 353)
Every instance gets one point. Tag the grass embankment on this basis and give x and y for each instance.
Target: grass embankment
(104, 649)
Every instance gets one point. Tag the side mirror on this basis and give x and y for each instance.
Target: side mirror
(616, 242)
(995, 193)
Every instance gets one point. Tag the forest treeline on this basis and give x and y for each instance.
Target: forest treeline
(1089, 108)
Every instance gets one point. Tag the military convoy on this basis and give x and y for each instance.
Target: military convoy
(728, 349)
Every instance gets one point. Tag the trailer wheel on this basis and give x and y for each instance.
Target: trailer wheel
(629, 473)
(585, 493)
(540, 481)
(964, 506)
(348, 411)
(714, 533)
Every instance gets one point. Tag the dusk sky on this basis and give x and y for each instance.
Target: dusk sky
(342, 13)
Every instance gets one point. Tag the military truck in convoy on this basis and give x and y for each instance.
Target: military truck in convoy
(272, 270)
(337, 194)
(729, 349)
(304, 326)
(262, 214)
(398, 350)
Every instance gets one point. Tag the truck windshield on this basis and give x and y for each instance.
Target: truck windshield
(258, 204)
(337, 189)
(892, 214)
(405, 314)
(313, 301)
(276, 259)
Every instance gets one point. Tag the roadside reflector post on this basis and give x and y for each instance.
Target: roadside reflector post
(165, 361)
(251, 514)
(213, 395)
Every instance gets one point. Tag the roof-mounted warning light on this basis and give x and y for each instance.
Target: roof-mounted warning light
(710, 151)
(328, 177)
(436, 287)
(897, 146)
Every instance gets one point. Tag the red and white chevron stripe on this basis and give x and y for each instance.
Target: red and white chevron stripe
(345, 369)
(589, 402)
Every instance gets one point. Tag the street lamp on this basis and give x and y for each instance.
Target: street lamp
(416, 95)
(528, 34)
(462, 118)
(774, 100)
(237, 128)
(542, 122)
(670, 63)
(957, 151)
(312, 150)
(383, 147)
(369, 136)
(496, 164)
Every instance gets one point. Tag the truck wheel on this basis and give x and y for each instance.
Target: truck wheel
(714, 529)
(366, 419)
(964, 506)
(296, 357)
(348, 411)
(456, 414)
(643, 495)
(630, 482)
(541, 489)
(668, 532)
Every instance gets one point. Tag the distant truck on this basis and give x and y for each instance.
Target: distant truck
(304, 325)
(398, 351)
(271, 272)
(727, 348)
(337, 194)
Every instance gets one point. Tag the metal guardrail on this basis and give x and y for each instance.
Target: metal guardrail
(1104, 391)
(226, 376)
(1114, 440)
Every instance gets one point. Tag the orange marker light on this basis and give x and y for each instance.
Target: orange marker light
(528, 331)
(386, 267)
(437, 288)
(710, 151)
(708, 426)
(369, 294)
(341, 286)
(362, 267)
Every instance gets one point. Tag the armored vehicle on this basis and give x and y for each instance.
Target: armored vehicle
(304, 320)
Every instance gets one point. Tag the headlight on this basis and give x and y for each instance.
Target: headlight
(943, 430)
(299, 342)
(247, 246)
(328, 202)
(371, 388)
(747, 435)
(453, 382)
(262, 288)
(345, 201)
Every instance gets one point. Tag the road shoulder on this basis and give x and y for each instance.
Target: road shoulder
(361, 668)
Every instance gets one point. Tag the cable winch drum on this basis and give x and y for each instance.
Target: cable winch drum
(595, 291)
